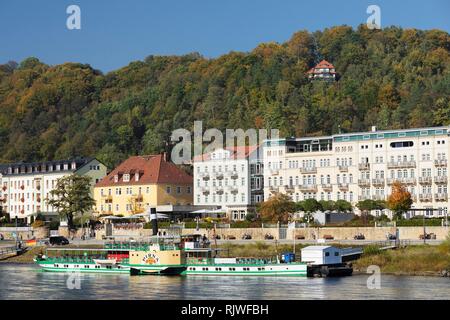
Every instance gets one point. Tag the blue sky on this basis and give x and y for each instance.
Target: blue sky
(114, 32)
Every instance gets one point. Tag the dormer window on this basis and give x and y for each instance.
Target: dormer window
(116, 178)
(66, 166)
(58, 167)
(136, 176)
(126, 177)
(74, 165)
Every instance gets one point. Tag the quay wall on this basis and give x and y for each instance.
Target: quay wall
(341, 233)
(24, 233)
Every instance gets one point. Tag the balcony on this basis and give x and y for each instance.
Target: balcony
(363, 197)
(273, 189)
(425, 197)
(274, 172)
(108, 198)
(289, 188)
(364, 182)
(378, 182)
(233, 175)
(441, 196)
(307, 170)
(327, 187)
(425, 180)
(218, 175)
(139, 197)
(391, 181)
(401, 164)
(363, 166)
(440, 162)
(343, 168)
(343, 186)
(378, 197)
(233, 190)
(219, 190)
(440, 179)
(205, 191)
(308, 188)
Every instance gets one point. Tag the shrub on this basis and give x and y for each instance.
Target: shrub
(371, 250)
(54, 225)
(38, 224)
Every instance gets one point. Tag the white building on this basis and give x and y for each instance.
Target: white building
(26, 186)
(231, 179)
(359, 166)
(318, 255)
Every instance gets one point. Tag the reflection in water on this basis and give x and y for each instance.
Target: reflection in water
(28, 282)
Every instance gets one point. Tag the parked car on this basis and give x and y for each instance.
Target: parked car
(268, 236)
(230, 237)
(246, 236)
(58, 240)
(300, 237)
(328, 237)
(391, 236)
(427, 236)
(359, 236)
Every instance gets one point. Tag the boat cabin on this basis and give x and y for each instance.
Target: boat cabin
(318, 255)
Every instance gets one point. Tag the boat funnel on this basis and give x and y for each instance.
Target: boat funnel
(154, 220)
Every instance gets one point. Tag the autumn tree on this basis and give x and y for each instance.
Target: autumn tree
(399, 201)
(277, 208)
(71, 197)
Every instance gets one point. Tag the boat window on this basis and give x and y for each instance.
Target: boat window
(336, 254)
(327, 254)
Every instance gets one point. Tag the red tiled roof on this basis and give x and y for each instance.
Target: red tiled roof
(152, 169)
(324, 64)
(237, 152)
(321, 65)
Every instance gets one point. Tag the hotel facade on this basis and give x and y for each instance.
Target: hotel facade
(230, 178)
(360, 166)
(141, 182)
(25, 187)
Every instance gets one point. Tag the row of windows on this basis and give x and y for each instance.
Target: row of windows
(219, 168)
(344, 178)
(219, 197)
(129, 191)
(218, 182)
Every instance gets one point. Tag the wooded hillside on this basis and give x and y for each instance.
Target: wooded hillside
(391, 78)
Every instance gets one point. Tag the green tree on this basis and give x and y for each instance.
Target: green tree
(343, 206)
(328, 205)
(311, 206)
(71, 197)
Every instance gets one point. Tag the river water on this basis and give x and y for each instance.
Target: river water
(18, 281)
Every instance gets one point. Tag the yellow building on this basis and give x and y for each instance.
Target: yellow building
(141, 182)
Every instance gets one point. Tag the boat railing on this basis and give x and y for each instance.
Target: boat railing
(139, 246)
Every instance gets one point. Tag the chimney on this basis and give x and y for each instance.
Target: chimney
(374, 128)
(154, 220)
